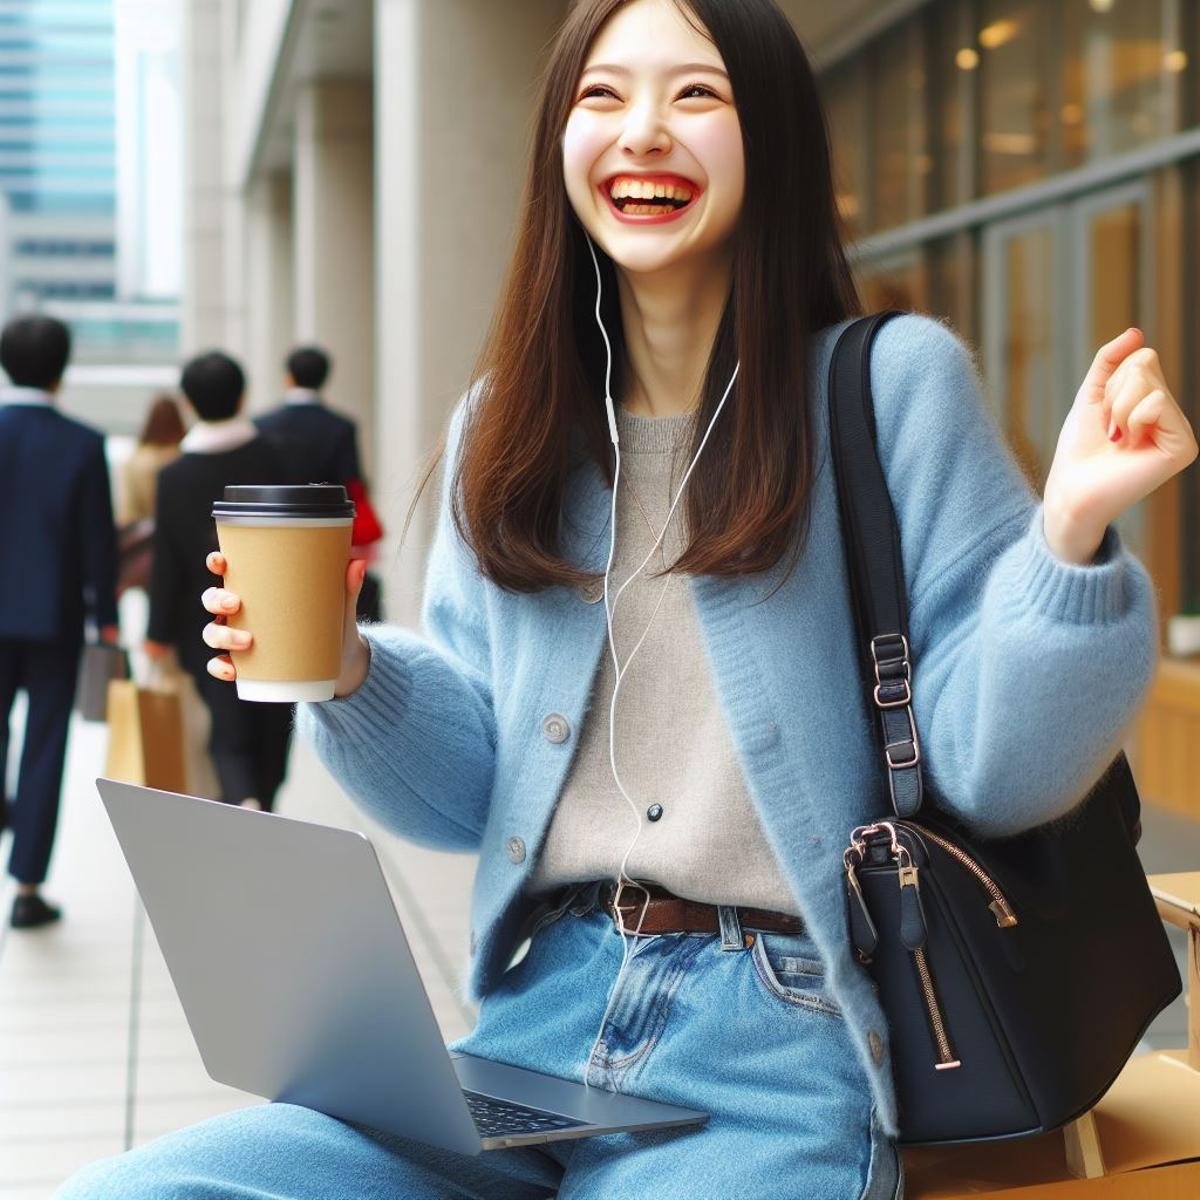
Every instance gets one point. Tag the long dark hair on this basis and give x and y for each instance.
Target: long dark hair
(164, 423)
(541, 370)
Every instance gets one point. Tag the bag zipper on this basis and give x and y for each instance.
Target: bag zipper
(913, 917)
(1006, 918)
(933, 1009)
(913, 934)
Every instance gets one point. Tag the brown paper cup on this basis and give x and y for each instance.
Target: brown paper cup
(290, 573)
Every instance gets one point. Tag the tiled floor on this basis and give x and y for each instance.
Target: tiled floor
(95, 1055)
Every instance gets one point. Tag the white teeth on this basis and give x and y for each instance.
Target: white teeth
(647, 190)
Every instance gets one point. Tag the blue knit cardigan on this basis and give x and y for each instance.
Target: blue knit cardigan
(1027, 673)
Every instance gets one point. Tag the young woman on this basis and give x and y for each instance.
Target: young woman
(682, 140)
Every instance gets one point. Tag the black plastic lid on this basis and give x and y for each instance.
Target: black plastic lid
(284, 500)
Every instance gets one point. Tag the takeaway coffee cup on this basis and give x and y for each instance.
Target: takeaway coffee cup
(286, 550)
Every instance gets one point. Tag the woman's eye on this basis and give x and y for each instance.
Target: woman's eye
(696, 89)
(597, 89)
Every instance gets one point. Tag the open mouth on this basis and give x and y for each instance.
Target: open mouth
(660, 196)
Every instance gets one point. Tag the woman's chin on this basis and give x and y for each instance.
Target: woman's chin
(645, 259)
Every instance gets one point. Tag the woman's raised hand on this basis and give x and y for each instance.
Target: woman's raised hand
(223, 604)
(1124, 437)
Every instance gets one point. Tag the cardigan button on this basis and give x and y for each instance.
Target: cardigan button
(875, 1042)
(556, 728)
(516, 850)
(654, 812)
(592, 593)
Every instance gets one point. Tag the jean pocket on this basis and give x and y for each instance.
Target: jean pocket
(791, 970)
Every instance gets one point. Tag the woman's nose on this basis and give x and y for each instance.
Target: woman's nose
(644, 131)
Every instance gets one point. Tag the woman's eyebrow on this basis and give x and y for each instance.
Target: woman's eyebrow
(681, 69)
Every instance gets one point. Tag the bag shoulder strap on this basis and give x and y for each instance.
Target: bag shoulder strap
(871, 543)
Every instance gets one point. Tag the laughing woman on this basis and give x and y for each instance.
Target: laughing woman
(681, 143)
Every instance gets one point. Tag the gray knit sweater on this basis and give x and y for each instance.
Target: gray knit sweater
(673, 747)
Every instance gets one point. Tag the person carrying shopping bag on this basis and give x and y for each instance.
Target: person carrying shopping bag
(637, 695)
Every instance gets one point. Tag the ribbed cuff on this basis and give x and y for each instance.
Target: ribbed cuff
(1095, 593)
(374, 708)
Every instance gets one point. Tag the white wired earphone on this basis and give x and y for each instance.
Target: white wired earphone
(609, 610)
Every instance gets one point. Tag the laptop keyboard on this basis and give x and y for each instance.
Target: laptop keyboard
(497, 1118)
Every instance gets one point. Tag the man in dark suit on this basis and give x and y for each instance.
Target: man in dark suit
(249, 741)
(59, 567)
(319, 445)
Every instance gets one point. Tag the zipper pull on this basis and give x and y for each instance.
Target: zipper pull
(862, 929)
(912, 913)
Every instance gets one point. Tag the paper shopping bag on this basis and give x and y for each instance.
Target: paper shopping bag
(146, 743)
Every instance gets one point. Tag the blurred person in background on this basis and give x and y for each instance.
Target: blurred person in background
(319, 445)
(137, 484)
(58, 570)
(158, 444)
(248, 742)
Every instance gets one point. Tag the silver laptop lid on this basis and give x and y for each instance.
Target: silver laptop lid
(240, 901)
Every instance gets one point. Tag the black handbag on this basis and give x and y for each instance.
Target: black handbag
(1017, 974)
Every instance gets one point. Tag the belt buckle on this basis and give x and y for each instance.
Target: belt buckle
(617, 908)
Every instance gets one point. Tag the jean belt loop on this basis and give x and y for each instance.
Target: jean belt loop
(731, 927)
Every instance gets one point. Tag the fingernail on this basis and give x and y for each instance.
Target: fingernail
(228, 604)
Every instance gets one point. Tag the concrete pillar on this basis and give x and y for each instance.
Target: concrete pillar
(454, 91)
(270, 287)
(203, 316)
(334, 243)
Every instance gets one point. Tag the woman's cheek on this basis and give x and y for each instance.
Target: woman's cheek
(582, 144)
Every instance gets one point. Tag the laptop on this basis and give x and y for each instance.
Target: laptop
(299, 985)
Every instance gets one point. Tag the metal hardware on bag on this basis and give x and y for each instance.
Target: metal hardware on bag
(858, 837)
(913, 930)
(912, 741)
(905, 699)
(1006, 918)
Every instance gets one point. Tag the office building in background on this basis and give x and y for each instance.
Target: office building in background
(88, 101)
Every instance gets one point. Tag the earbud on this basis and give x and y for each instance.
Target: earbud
(610, 610)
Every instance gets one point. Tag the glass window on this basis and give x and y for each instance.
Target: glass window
(1016, 43)
(899, 282)
(1119, 80)
(952, 74)
(845, 110)
(953, 283)
(900, 164)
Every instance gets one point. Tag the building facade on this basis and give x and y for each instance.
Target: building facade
(1030, 170)
(1026, 169)
(62, 139)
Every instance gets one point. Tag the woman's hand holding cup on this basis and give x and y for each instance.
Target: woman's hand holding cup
(224, 604)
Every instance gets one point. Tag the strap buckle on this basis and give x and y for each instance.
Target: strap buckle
(889, 650)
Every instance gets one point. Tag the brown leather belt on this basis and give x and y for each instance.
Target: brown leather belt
(667, 913)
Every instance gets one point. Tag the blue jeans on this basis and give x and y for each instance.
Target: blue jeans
(738, 1024)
